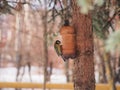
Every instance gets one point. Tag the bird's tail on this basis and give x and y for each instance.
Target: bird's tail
(63, 58)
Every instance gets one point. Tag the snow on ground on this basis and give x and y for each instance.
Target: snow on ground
(58, 76)
(9, 75)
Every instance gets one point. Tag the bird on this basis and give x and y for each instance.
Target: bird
(58, 49)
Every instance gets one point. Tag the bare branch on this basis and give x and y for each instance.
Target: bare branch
(61, 6)
(109, 21)
(50, 3)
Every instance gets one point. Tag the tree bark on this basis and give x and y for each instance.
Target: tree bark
(67, 71)
(45, 46)
(84, 78)
(109, 71)
(101, 56)
(18, 43)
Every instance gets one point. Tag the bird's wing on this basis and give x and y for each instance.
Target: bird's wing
(57, 49)
(63, 58)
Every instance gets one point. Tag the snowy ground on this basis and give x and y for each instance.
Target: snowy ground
(9, 75)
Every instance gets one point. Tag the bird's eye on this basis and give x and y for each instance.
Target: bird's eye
(57, 42)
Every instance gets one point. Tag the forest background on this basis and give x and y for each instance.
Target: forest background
(28, 35)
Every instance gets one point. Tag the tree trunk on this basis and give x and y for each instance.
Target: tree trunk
(28, 38)
(45, 45)
(18, 43)
(84, 78)
(109, 72)
(67, 71)
(0, 58)
(101, 56)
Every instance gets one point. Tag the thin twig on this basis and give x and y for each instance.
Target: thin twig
(50, 3)
(57, 14)
(112, 27)
(52, 19)
(109, 21)
(53, 11)
(17, 2)
(40, 2)
(61, 6)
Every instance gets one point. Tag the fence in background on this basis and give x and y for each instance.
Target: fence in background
(65, 86)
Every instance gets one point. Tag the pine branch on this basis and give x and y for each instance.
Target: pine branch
(109, 21)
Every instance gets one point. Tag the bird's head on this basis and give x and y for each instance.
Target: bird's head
(57, 42)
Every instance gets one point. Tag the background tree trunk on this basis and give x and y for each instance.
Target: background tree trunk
(28, 37)
(45, 45)
(109, 71)
(84, 78)
(67, 71)
(102, 61)
(18, 44)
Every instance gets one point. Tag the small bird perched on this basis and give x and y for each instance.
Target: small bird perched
(58, 49)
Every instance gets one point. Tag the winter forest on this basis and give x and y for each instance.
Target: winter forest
(60, 44)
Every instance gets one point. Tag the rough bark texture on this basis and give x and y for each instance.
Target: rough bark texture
(84, 78)
(102, 65)
(109, 71)
(67, 71)
(45, 46)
